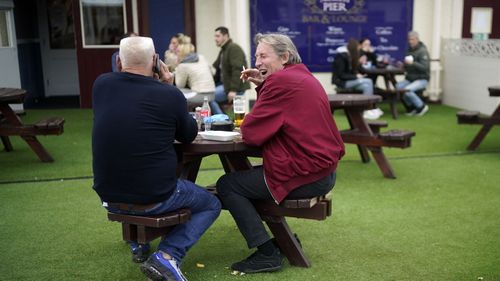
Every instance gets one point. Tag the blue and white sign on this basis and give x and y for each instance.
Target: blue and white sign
(319, 27)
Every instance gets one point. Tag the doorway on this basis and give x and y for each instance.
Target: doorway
(57, 46)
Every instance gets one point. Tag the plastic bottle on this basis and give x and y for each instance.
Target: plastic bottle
(199, 120)
(205, 112)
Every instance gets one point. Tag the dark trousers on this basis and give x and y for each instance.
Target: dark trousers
(237, 189)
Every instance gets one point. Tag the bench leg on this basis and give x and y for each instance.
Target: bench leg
(38, 148)
(382, 162)
(363, 152)
(129, 232)
(6, 143)
(479, 137)
(287, 242)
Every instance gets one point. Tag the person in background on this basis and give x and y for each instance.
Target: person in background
(170, 55)
(366, 49)
(114, 67)
(301, 146)
(228, 66)
(193, 72)
(417, 67)
(345, 74)
(137, 118)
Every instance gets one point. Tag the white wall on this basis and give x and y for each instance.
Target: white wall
(210, 14)
(466, 80)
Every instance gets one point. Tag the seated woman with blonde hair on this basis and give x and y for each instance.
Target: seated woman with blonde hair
(193, 72)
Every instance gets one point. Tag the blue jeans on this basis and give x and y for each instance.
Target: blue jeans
(361, 84)
(204, 206)
(220, 97)
(410, 98)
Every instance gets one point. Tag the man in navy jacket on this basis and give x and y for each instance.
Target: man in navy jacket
(137, 118)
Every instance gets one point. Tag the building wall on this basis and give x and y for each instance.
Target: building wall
(235, 15)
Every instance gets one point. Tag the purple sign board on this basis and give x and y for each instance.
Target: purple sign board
(319, 27)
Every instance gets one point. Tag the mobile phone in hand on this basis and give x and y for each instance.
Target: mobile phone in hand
(157, 65)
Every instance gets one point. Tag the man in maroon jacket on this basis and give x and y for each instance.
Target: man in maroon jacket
(292, 122)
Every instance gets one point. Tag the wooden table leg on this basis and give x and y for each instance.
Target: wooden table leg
(363, 152)
(6, 143)
(394, 98)
(483, 132)
(382, 162)
(188, 168)
(357, 122)
(38, 148)
(286, 241)
(479, 137)
(233, 162)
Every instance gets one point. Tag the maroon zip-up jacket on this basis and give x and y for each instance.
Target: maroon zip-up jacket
(292, 122)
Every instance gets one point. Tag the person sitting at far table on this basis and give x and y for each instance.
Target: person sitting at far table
(193, 72)
(301, 145)
(417, 67)
(345, 74)
(137, 118)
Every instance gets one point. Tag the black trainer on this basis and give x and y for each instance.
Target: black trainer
(140, 252)
(258, 262)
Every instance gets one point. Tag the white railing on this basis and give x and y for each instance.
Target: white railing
(474, 48)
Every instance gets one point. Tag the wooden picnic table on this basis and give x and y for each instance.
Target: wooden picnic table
(234, 157)
(391, 93)
(473, 117)
(11, 125)
(367, 135)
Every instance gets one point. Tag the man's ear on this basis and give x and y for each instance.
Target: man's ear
(285, 58)
(118, 63)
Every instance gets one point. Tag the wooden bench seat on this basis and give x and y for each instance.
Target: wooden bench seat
(468, 117)
(474, 117)
(347, 91)
(375, 125)
(143, 229)
(316, 208)
(391, 138)
(49, 126)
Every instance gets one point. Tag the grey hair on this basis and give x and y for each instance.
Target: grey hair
(136, 51)
(281, 45)
(413, 33)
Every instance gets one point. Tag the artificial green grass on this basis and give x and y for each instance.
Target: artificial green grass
(437, 221)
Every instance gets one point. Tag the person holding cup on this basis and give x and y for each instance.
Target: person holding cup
(417, 67)
(301, 146)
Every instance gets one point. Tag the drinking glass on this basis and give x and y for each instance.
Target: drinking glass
(239, 110)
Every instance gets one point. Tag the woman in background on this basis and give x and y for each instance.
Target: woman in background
(345, 74)
(170, 55)
(193, 72)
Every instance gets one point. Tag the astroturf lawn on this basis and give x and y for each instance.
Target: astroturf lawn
(439, 220)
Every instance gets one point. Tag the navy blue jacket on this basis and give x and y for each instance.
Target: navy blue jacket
(136, 120)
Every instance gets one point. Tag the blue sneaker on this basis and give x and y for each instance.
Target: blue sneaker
(158, 268)
(140, 252)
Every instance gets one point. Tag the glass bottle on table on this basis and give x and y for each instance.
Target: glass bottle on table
(239, 110)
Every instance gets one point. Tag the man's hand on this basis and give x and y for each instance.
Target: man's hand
(165, 75)
(252, 75)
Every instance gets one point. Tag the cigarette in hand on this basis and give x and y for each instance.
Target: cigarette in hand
(241, 76)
